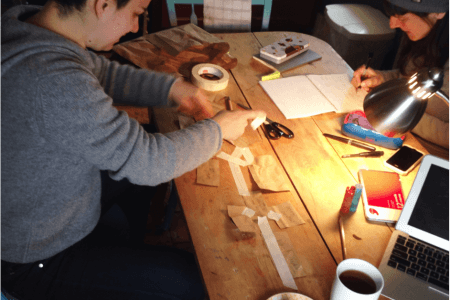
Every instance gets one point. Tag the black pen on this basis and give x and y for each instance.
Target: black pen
(369, 59)
(365, 154)
(351, 142)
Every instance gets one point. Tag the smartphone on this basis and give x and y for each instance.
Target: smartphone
(404, 160)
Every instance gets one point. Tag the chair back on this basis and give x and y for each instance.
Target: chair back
(173, 17)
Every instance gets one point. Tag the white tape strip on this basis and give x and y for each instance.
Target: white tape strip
(249, 158)
(248, 212)
(232, 159)
(237, 174)
(274, 215)
(257, 122)
(277, 255)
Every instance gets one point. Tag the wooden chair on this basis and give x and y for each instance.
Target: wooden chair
(265, 20)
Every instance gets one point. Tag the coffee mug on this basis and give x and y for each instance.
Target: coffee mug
(357, 279)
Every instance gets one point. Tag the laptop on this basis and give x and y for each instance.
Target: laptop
(415, 263)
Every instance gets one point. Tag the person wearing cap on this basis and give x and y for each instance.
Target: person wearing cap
(424, 45)
(67, 153)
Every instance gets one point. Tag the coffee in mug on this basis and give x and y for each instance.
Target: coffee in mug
(358, 282)
(357, 279)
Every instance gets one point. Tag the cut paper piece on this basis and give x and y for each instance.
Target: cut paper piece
(235, 210)
(294, 263)
(237, 174)
(258, 121)
(233, 159)
(289, 215)
(245, 224)
(267, 174)
(209, 173)
(185, 121)
(256, 201)
(277, 256)
(273, 215)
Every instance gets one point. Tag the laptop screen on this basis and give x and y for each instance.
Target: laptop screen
(431, 211)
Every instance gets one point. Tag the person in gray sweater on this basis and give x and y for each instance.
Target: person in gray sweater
(60, 132)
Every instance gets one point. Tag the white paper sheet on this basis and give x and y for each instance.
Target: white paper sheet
(304, 96)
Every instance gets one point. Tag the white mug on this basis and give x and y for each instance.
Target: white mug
(341, 291)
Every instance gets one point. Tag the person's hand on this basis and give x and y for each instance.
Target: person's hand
(192, 100)
(370, 80)
(233, 123)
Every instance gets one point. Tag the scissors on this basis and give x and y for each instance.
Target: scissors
(273, 129)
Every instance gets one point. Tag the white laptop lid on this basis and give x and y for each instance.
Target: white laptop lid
(425, 214)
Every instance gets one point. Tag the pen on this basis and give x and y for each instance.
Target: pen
(364, 154)
(369, 59)
(351, 142)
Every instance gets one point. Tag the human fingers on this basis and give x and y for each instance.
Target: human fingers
(204, 109)
(253, 114)
(356, 80)
(371, 82)
(233, 123)
(363, 74)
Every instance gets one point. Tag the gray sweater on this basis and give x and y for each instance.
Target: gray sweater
(59, 129)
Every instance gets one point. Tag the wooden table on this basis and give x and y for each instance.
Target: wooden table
(238, 266)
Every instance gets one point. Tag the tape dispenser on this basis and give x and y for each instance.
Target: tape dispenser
(358, 127)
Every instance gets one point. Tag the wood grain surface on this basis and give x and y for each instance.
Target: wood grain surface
(238, 265)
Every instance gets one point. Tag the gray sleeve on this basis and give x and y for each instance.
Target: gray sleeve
(78, 116)
(132, 86)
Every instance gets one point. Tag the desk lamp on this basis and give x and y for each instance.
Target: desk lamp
(395, 107)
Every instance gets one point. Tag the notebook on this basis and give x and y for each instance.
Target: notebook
(415, 263)
(308, 95)
(304, 58)
(382, 195)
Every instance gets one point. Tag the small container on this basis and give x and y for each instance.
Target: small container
(284, 49)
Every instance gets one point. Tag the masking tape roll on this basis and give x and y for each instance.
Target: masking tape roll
(218, 82)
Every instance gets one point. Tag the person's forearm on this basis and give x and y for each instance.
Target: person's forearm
(390, 75)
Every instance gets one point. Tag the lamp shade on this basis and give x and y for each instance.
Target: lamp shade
(395, 107)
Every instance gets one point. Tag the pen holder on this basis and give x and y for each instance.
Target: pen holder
(356, 126)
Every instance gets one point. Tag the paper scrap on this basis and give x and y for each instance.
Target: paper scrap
(185, 121)
(276, 253)
(267, 174)
(256, 201)
(209, 173)
(273, 215)
(289, 215)
(245, 224)
(294, 263)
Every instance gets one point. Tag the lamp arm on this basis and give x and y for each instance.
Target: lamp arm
(443, 96)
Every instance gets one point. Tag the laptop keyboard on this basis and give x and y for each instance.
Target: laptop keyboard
(420, 260)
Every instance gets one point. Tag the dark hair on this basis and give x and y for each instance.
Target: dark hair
(67, 7)
(431, 51)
